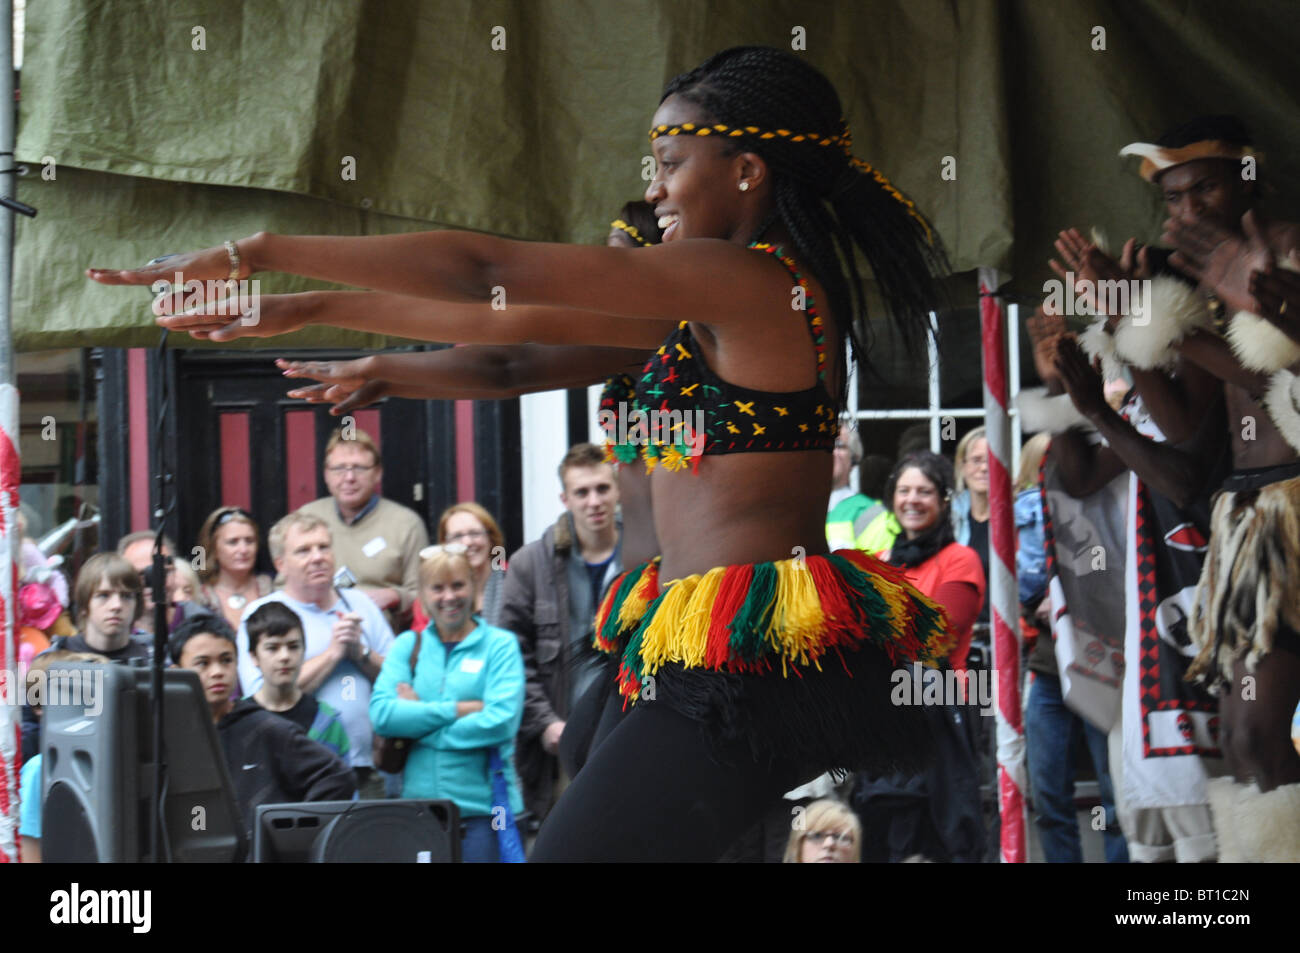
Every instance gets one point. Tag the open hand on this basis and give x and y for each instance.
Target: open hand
(1082, 380)
(1277, 294)
(1221, 260)
(209, 264)
(228, 318)
(1044, 330)
(1091, 266)
(345, 384)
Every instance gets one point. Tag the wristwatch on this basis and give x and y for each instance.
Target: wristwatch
(365, 653)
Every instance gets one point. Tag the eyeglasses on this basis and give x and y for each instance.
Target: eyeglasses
(451, 549)
(467, 534)
(353, 469)
(841, 840)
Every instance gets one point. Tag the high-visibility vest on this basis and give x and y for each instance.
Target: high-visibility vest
(859, 522)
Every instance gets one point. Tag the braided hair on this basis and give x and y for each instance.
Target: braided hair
(828, 203)
(640, 214)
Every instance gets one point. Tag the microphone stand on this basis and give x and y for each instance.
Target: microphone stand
(164, 504)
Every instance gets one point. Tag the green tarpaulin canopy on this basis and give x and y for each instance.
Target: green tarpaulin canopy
(151, 128)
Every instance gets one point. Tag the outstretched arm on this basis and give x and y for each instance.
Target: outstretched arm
(666, 282)
(477, 372)
(404, 316)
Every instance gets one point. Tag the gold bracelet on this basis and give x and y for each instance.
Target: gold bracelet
(232, 251)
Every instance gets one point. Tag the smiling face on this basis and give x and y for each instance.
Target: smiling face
(448, 600)
(466, 529)
(591, 495)
(1206, 190)
(696, 188)
(916, 502)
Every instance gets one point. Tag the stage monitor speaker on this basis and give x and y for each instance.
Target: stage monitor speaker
(324, 832)
(97, 769)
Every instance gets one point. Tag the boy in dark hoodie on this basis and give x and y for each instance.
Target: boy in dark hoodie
(270, 759)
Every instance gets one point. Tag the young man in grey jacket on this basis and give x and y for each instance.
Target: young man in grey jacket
(552, 590)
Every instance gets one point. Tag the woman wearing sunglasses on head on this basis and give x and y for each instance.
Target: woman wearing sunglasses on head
(228, 541)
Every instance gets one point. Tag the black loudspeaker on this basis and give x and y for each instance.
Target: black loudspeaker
(97, 769)
(385, 832)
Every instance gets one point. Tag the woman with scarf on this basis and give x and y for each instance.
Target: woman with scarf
(920, 494)
(934, 814)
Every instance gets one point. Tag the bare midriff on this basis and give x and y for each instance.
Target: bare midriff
(741, 508)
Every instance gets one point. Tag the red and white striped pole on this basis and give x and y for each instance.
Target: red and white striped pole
(12, 690)
(11, 685)
(1004, 601)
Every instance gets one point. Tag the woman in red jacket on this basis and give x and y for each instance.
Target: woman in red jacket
(919, 491)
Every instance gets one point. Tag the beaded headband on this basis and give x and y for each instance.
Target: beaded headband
(843, 139)
(630, 231)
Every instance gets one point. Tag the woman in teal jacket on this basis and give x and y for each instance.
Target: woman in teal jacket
(464, 700)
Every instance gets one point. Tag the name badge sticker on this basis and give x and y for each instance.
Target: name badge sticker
(374, 547)
(472, 665)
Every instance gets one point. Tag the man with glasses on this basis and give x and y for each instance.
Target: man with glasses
(379, 541)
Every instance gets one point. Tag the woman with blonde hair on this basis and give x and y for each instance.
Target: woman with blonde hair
(228, 540)
(472, 526)
(970, 504)
(457, 690)
(825, 832)
(1031, 557)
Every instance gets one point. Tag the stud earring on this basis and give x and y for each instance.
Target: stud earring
(744, 186)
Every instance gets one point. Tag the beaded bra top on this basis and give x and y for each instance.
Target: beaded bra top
(683, 411)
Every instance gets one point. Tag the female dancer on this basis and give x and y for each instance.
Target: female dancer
(762, 660)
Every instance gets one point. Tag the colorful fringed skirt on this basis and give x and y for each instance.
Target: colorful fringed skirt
(802, 658)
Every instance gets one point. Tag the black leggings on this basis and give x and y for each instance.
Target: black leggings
(652, 791)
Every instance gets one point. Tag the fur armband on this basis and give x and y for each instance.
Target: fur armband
(1098, 342)
(1168, 311)
(1282, 401)
(1039, 412)
(1258, 343)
